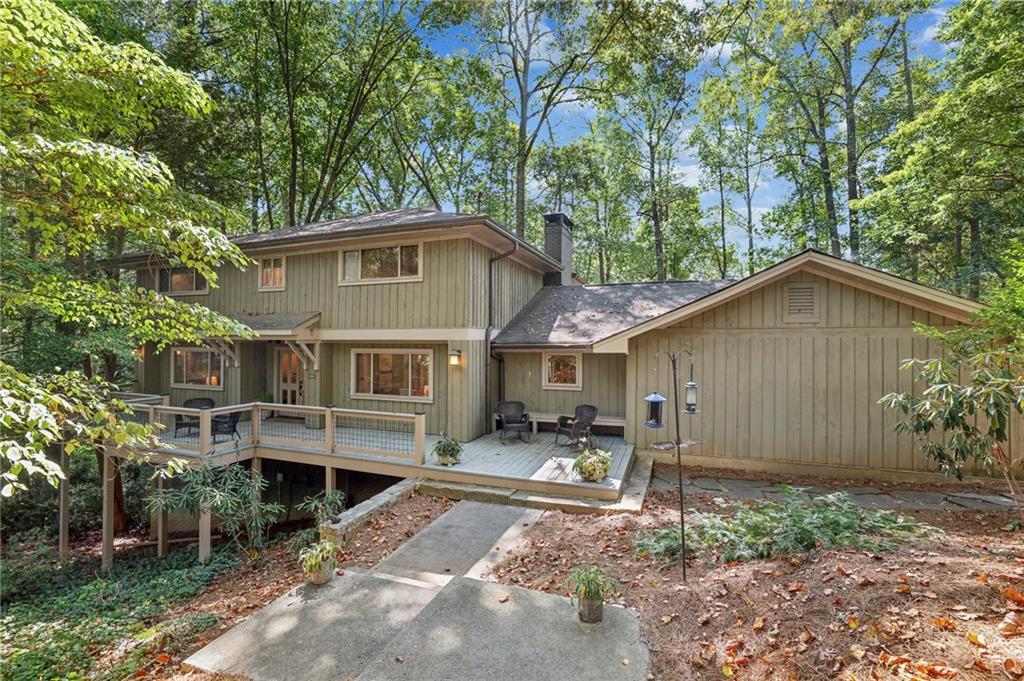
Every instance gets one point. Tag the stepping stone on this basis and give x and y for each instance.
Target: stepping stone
(859, 490)
(708, 484)
(934, 501)
(874, 501)
(980, 502)
(743, 489)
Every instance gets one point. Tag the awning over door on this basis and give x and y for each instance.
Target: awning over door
(281, 325)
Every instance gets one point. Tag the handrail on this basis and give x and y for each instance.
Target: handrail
(319, 434)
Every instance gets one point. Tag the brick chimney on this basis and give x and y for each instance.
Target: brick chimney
(558, 245)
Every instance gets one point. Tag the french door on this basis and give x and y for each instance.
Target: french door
(289, 377)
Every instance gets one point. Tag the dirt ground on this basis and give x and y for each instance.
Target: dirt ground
(235, 595)
(928, 610)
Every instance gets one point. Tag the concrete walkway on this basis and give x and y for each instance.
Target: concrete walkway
(864, 496)
(415, 616)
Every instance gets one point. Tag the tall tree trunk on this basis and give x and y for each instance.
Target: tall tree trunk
(958, 258)
(908, 81)
(659, 237)
(825, 167)
(723, 267)
(852, 176)
(120, 515)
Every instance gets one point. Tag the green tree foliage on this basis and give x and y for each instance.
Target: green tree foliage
(75, 191)
(961, 417)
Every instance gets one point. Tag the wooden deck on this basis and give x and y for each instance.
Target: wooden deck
(536, 464)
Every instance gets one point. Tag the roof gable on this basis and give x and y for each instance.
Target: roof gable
(818, 263)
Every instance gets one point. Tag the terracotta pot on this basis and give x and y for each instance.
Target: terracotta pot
(591, 610)
(324, 574)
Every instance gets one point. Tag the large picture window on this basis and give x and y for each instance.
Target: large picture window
(393, 374)
(387, 263)
(197, 368)
(563, 371)
(271, 274)
(181, 281)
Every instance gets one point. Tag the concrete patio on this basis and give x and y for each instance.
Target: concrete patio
(415, 616)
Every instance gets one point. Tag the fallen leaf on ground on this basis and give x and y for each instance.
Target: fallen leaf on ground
(1012, 625)
(503, 598)
(976, 639)
(759, 624)
(944, 623)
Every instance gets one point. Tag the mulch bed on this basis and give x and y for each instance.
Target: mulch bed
(928, 610)
(235, 595)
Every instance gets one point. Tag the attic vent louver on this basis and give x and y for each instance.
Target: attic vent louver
(801, 302)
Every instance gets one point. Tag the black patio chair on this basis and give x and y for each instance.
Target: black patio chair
(514, 418)
(225, 424)
(577, 427)
(187, 422)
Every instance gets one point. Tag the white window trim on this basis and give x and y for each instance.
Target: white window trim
(545, 385)
(284, 273)
(810, 319)
(387, 280)
(394, 351)
(194, 386)
(175, 294)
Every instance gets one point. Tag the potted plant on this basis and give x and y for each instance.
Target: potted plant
(593, 465)
(589, 585)
(447, 451)
(317, 561)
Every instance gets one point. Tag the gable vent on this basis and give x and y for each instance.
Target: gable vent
(801, 303)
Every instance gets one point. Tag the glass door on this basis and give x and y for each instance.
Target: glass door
(289, 377)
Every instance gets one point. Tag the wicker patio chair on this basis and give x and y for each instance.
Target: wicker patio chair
(577, 427)
(514, 418)
(187, 422)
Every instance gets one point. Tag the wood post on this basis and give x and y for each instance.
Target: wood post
(161, 522)
(64, 532)
(329, 485)
(329, 431)
(256, 419)
(205, 429)
(420, 442)
(257, 466)
(107, 560)
(205, 525)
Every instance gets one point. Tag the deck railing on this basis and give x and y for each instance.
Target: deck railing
(327, 430)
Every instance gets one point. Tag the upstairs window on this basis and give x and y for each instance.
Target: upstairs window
(181, 281)
(386, 263)
(272, 274)
(800, 302)
(562, 371)
(197, 368)
(392, 374)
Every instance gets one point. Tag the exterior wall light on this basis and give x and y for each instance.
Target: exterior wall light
(454, 357)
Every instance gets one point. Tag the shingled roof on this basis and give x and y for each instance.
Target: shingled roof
(579, 316)
(384, 220)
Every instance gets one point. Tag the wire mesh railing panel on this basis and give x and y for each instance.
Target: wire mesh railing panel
(298, 426)
(178, 429)
(231, 427)
(396, 437)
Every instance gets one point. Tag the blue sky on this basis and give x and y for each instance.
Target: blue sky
(572, 120)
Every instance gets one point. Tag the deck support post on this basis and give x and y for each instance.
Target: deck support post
(162, 542)
(257, 467)
(329, 484)
(64, 531)
(420, 438)
(107, 560)
(205, 526)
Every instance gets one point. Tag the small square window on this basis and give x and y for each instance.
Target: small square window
(271, 274)
(385, 263)
(181, 281)
(563, 371)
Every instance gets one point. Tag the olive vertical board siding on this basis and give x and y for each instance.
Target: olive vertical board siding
(250, 385)
(514, 286)
(790, 394)
(466, 399)
(451, 278)
(341, 379)
(604, 384)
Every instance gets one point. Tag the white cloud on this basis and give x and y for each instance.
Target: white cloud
(931, 32)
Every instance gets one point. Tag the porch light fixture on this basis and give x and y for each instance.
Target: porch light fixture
(655, 406)
(454, 357)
